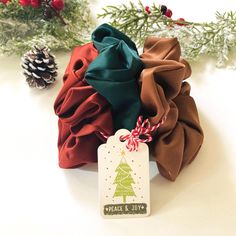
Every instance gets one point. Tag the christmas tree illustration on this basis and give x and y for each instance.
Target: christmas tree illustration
(123, 180)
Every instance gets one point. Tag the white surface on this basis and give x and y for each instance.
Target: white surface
(38, 198)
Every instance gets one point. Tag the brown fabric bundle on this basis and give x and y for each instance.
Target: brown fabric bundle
(163, 93)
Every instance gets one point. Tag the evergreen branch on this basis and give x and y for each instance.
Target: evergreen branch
(23, 27)
(213, 38)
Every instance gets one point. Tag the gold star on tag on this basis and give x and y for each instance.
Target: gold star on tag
(122, 153)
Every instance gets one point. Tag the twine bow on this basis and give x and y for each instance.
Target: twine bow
(142, 133)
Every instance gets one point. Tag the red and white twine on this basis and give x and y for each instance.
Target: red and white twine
(142, 133)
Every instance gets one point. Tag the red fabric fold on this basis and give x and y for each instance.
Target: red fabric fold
(82, 112)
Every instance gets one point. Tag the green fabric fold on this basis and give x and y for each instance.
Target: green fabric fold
(114, 74)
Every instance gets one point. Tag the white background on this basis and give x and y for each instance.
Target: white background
(38, 198)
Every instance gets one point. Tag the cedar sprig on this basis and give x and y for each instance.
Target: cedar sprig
(23, 27)
(217, 38)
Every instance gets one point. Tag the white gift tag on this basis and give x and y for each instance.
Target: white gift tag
(124, 185)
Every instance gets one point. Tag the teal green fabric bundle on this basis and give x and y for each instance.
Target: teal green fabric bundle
(114, 74)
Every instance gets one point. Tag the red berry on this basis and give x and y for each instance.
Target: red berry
(24, 3)
(58, 4)
(147, 9)
(168, 13)
(5, 1)
(180, 19)
(35, 3)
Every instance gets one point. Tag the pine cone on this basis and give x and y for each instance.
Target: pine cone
(39, 67)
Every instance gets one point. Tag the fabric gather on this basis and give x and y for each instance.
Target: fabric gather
(107, 86)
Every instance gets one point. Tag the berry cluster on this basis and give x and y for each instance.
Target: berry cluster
(33, 3)
(58, 5)
(166, 12)
(4, 1)
(50, 8)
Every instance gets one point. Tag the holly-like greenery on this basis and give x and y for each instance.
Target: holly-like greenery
(214, 38)
(23, 27)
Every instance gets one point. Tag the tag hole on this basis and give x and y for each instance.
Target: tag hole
(122, 140)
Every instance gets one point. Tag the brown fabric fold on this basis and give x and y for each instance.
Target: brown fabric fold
(163, 93)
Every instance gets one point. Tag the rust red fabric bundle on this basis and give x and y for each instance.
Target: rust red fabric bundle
(163, 93)
(82, 112)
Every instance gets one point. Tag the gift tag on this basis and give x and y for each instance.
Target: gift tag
(124, 185)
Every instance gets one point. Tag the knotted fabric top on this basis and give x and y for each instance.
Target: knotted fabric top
(114, 74)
